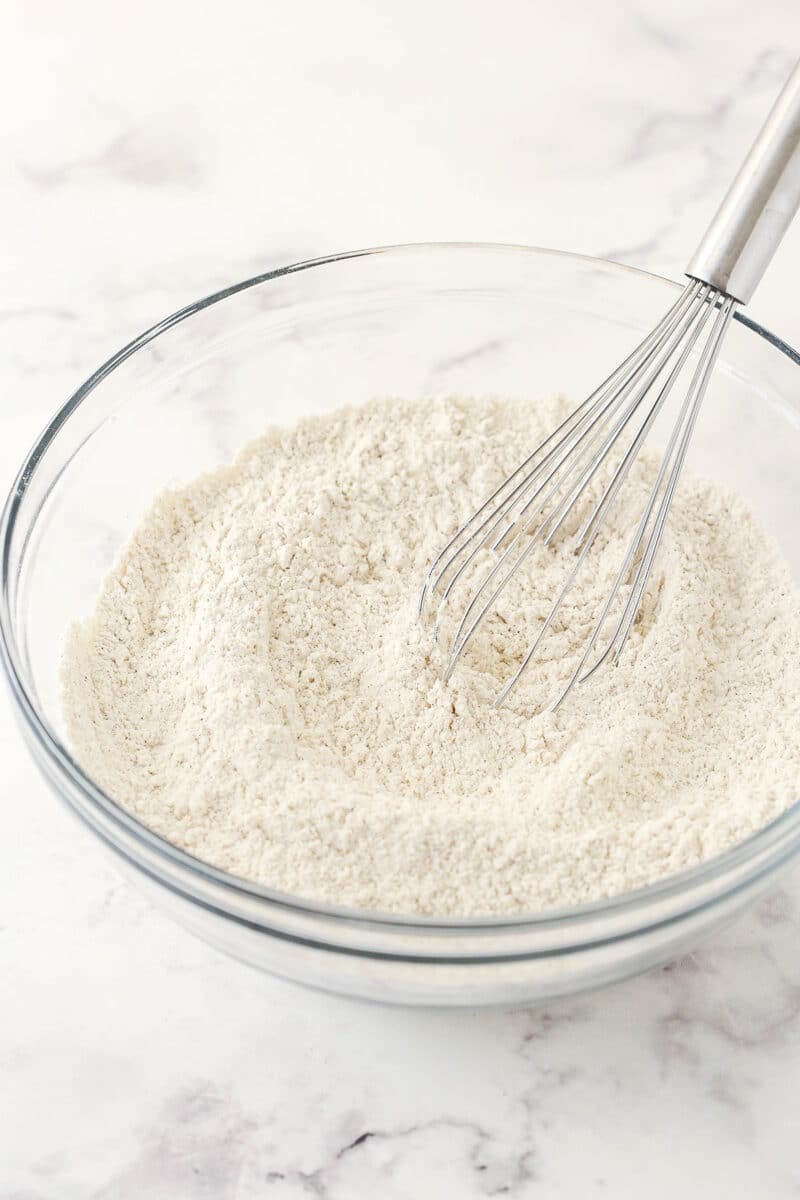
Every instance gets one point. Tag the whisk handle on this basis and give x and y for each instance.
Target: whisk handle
(738, 245)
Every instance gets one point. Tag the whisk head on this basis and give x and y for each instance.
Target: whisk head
(577, 472)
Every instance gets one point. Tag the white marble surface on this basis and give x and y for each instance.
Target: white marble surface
(150, 155)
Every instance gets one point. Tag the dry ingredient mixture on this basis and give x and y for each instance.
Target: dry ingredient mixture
(254, 684)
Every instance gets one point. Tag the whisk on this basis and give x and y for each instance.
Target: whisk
(592, 451)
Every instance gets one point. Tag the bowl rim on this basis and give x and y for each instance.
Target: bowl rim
(47, 742)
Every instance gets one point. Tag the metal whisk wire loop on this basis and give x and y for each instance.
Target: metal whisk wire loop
(601, 437)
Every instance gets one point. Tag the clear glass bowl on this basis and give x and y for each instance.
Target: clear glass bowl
(411, 320)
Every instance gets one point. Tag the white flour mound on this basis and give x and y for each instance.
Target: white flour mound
(254, 685)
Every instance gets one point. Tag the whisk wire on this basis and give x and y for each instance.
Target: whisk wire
(691, 406)
(532, 504)
(584, 540)
(577, 418)
(585, 467)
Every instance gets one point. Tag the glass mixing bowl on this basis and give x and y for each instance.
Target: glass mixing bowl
(410, 321)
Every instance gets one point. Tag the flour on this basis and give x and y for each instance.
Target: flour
(255, 687)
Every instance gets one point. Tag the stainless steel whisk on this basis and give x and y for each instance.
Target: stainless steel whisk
(606, 432)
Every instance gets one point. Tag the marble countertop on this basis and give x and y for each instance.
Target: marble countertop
(150, 159)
